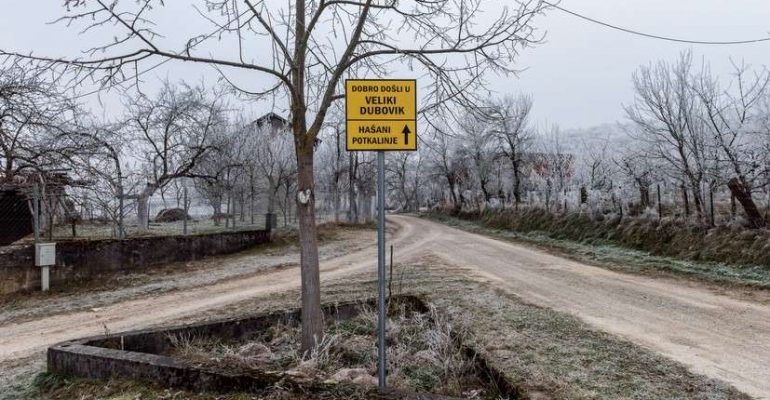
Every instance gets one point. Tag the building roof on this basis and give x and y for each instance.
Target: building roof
(271, 118)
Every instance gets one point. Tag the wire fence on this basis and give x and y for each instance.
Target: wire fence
(39, 212)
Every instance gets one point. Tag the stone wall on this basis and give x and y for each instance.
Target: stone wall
(87, 259)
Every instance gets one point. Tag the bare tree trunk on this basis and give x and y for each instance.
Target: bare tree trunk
(516, 184)
(271, 194)
(697, 196)
(141, 213)
(217, 213)
(242, 205)
(743, 195)
(50, 208)
(644, 196)
(228, 211)
(455, 203)
(336, 200)
(142, 207)
(485, 193)
(251, 201)
(312, 317)
(366, 206)
(337, 176)
(686, 201)
(733, 206)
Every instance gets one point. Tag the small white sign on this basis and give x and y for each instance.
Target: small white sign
(45, 254)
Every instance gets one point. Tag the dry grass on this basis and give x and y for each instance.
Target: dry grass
(546, 354)
(668, 237)
(635, 246)
(423, 353)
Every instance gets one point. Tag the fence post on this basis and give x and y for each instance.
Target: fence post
(36, 211)
(251, 207)
(45, 277)
(149, 204)
(269, 222)
(686, 201)
(660, 205)
(121, 225)
(49, 212)
(233, 209)
(185, 209)
(711, 205)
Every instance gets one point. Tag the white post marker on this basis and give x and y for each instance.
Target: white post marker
(381, 116)
(45, 257)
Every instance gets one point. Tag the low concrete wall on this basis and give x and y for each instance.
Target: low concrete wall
(145, 355)
(87, 259)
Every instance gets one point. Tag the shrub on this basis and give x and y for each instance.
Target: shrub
(668, 237)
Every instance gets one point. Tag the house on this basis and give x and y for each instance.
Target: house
(272, 120)
(277, 123)
(546, 165)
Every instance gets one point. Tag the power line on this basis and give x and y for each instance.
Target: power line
(653, 36)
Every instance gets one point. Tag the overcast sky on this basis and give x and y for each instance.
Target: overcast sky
(579, 77)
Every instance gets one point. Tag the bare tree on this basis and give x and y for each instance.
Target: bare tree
(399, 171)
(174, 132)
(333, 168)
(97, 155)
(478, 147)
(636, 167)
(314, 45)
(667, 116)
(510, 118)
(272, 148)
(353, 166)
(445, 164)
(730, 116)
(33, 112)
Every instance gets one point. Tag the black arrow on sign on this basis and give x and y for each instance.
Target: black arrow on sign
(406, 133)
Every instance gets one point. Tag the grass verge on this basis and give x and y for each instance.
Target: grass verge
(621, 258)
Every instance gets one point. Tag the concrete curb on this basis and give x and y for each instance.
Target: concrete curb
(143, 355)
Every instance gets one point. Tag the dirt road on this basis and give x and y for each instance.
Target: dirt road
(714, 334)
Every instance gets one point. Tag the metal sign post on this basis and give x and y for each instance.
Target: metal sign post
(381, 264)
(381, 116)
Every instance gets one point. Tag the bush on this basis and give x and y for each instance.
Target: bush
(171, 215)
(667, 237)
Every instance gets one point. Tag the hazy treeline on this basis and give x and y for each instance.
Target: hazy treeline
(693, 145)
(157, 146)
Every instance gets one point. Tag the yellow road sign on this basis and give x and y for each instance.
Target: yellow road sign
(381, 114)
